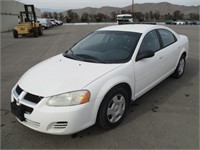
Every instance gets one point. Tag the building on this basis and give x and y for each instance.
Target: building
(10, 11)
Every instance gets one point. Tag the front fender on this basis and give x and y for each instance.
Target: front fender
(99, 88)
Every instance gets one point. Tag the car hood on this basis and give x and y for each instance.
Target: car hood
(59, 75)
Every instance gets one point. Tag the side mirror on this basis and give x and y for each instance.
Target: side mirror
(144, 54)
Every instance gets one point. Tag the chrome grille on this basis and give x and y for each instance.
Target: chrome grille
(28, 97)
(33, 98)
(18, 90)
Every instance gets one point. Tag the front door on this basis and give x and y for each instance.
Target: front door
(148, 71)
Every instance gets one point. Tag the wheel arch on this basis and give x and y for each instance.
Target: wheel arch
(124, 85)
(182, 53)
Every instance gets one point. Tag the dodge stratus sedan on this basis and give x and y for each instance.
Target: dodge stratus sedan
(95, 80)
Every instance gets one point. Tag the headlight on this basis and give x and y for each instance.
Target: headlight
(69, 99)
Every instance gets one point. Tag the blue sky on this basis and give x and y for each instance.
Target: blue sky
(73, 4)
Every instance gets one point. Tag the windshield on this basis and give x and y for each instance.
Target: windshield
(105, 47)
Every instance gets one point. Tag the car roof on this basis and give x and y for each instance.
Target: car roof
(139, 28)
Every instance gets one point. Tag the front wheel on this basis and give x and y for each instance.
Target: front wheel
(40, 30)
(15, 34)
(180, 68)
(113, 108)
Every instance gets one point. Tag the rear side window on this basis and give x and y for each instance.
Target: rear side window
(167, 37)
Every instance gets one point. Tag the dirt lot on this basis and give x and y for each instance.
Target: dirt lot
(166, 117)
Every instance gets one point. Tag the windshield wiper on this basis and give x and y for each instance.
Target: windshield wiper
(89, 58)
(82, 57)
(72, 55)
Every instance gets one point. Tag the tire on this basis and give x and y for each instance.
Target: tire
(15, 34)
(40, 30)
(35, 32)
(113, 108)
(178, 73)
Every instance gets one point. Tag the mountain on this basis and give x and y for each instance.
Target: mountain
(162, 7)
(51, 10)
(105, 10)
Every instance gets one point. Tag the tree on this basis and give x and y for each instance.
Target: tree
(91, 17)
(123, 11)
(139, 16)
(99, 17)
(75, 17)
(194, 16)
(126, 12)
(61, 17)
(50, 15)
(85, 17)
(157, 15)
(177, 15)
(68, 20)
(55, 15)
(113, 16)
(147, 16)
(151, 15)
(106, 18)
(45, 15)
(168, 16)
(70, 14)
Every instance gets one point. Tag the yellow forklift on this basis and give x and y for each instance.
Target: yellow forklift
(28, 23)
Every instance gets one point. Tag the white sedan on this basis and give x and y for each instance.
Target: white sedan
(180, 22)
(97, 79)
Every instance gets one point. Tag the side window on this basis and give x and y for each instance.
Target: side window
(167, 37)
(150, 42)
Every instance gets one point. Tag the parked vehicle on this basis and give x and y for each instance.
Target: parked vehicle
(97, 79)
(172, 22)
(28, 24)
(46, 23)
(188, 22)
(196, 22)
(53, 23)
(179, 22)
(124, 19)
(57, 22)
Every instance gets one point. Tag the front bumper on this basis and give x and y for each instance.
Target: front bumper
(54, 120)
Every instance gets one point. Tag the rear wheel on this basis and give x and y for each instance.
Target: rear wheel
(180, 68)
(15, 34)
(113, 108)
(35, 32)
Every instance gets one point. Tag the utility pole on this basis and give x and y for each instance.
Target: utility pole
(132, 7)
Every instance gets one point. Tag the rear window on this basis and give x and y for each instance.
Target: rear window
(167, 37)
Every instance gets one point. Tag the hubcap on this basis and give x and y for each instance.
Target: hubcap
(116, 108)
(181, 66)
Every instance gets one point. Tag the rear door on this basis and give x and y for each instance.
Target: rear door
(171, 49)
